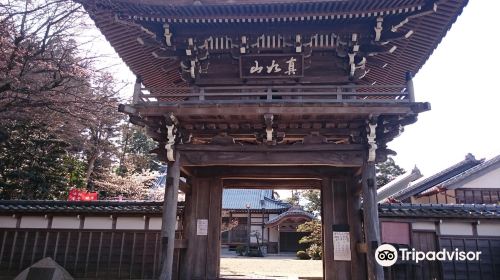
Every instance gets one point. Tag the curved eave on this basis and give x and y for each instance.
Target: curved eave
(410, 54)
(290, 215)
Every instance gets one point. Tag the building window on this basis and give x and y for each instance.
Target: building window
(477, 196)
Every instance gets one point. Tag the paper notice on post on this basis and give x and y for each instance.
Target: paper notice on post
(202, 227)
(341, 246)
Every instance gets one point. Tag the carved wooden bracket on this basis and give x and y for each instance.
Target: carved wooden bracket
(372, 152)
(268, 118)
(171, 134)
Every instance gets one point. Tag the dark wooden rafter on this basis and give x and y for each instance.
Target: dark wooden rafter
(188, 44)
(384, 69)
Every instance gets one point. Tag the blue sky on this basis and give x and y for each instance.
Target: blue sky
(461, 82)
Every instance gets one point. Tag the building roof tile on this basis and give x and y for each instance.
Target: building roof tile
(43, 207)
(237, 199)
(425, 183)
(405, 210)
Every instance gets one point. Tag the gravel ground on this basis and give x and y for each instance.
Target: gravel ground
(271, 267)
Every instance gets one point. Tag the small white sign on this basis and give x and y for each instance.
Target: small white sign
(202, 227)
(341, 246)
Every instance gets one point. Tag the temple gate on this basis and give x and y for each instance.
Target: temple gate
(281, 92)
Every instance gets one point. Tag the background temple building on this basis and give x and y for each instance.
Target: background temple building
(274, 221)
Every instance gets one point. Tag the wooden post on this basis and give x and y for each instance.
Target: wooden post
(249, 229)
(409, 86)
(214, 225)
(342, 268)
(358, 263)
(169, 218)
(371, 221)
(229, 233)
(327, 222)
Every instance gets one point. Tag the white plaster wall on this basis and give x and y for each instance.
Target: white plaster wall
(66, 222)
(98, 223)
(7, 222)
(273, 235)
(488, 229)
(34, 222)
(130, 223)
(488, 180)
(155, 223)
(423, 226)
(450, 228)
(258, 220)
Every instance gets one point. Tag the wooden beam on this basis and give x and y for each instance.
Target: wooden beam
(272, 183)
(330, 158)
(371, 221)
(270, 149)
(268, 172)
(169, 219)
(280, 108)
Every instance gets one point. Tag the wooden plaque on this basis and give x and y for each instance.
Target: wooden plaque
(271, 66)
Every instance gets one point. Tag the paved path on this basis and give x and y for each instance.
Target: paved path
(270, 267)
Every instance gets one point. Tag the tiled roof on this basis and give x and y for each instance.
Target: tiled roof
(474, 170)
(155, 208)
(81, 207)
(439, 210)
(292, 212)
(468, 174)
(237, 199)
(431, 181)
(398, 184)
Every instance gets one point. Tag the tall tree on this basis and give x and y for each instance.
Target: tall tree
(40, 63)
(135, 151)
(313, 201)
(35, 164)
(387, 171)
(294, 199)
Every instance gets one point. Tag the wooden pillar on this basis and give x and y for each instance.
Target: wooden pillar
(202, 258)
(371, 221)
(327, 221)
(229, 233)
(342, 268)
(214, 229)
(169, 218)
(358, 263)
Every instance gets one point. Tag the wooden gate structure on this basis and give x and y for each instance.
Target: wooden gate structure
(281, 93)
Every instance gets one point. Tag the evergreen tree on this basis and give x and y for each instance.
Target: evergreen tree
(313, 198)
(35, 164)
(387, 171)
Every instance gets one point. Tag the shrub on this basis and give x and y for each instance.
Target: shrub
(240, 250)
(301, 255)
(315, 252)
